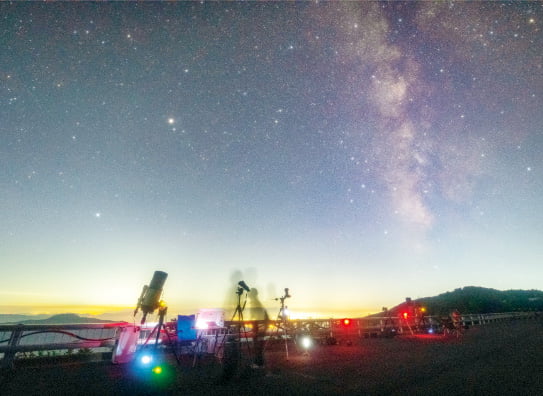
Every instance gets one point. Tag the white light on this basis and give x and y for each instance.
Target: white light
(306, 342)
(146, 359)
(201, 324)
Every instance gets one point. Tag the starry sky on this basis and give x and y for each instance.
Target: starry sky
(357, 153)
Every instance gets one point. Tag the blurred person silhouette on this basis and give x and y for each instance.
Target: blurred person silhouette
(260, 315)
(239, 293)
(231, 352)
(456, 319)
(453, 325)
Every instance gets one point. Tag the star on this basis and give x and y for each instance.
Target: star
(364, 123)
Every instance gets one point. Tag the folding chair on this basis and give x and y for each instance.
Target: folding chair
(189, 339)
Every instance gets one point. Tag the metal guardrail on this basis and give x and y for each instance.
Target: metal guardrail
(22, 338)
(378, 323)
(336, 331)
(15, 339)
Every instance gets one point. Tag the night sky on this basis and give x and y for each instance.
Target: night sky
(357, 153)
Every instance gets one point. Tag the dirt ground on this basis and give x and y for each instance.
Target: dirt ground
(494, 359)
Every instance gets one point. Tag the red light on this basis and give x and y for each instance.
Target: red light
(405, 315)
(346, 322)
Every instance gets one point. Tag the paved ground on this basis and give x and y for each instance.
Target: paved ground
(495, 359)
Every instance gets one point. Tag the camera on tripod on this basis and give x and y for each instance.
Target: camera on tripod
(242, 286)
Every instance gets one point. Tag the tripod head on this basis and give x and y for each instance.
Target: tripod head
(282, 299)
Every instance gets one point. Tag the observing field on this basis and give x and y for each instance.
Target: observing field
(495, 359)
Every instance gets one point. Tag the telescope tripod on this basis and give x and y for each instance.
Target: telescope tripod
(160, 326)
(238, 318)
(282, 322)
(231, 342)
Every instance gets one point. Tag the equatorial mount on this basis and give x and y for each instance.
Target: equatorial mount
(282, 299)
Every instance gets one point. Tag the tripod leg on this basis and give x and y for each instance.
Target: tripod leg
(230, 348)
(280, 323)
(150, 335)
(281, 317)
(171, 345)
(286, 338)
(196, 346)
(159, 327)
(230, 360)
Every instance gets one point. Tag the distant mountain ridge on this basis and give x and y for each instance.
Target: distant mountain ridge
(67, 318)
(472, 299)
(15, 318)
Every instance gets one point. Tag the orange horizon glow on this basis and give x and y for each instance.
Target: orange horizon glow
(51, 309)
(125, 311)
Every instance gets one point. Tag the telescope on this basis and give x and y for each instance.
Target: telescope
(243, 285)
(150, 295)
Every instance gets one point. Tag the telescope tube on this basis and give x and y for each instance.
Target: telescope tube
(154, 291)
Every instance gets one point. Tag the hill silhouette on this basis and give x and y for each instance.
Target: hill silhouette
(473, 299)
(67, 318)
(17, 318)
